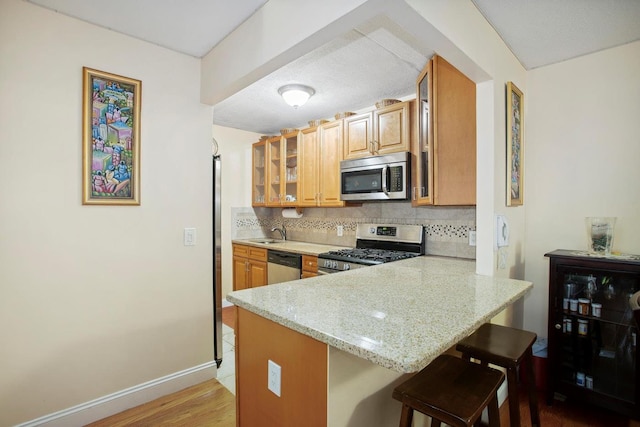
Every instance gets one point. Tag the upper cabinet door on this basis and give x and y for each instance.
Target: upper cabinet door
(308, 167)
(275, 187)
(259, 174)
(383, 131)
(422, 147)
(392, 126)
(330, 155)
(444, 160)
(289, 171)
(358, 136)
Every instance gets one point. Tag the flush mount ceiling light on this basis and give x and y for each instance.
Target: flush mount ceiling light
(296, 95)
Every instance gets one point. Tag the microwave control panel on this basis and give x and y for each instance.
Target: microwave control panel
(395, 173)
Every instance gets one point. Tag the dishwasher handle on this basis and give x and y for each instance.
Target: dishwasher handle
(284, 258)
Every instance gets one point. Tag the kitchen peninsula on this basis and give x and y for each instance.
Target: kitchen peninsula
(343, 341)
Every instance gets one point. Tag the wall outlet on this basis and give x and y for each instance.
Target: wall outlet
(189, 236)
(273, 377)
(340, 230)
(472, 237)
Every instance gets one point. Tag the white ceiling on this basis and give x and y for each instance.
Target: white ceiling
(539, 33)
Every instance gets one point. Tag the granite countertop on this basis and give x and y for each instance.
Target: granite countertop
(400, 315)
(302, 248)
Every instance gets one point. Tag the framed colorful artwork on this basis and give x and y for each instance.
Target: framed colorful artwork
(515, 145)
(110, 139)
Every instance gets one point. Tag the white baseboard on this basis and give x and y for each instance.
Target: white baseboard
(119, 401)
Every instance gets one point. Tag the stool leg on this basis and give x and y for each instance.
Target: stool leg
(533, 396)
(435, 423)
(406, 416)
(512, 391)
(494, 412)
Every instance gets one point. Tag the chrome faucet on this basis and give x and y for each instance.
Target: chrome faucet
(282, 231)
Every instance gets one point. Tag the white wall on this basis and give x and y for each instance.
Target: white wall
(95, 299)
(235, 153)
(582, 136)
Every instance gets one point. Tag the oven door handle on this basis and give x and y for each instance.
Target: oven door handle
(385, 178)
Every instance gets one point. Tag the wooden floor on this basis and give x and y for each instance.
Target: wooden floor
(205, 404)
(210, 404)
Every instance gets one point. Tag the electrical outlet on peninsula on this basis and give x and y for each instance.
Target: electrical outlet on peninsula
(273, 377)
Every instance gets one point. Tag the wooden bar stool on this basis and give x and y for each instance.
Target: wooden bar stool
(451, 390)
(505, 347)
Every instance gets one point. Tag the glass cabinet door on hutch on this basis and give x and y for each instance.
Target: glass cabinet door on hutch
(592, 331)
(259, 174)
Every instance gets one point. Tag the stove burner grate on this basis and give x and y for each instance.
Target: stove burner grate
(371, 255)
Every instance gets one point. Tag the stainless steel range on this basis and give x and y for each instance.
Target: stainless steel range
(375, 244)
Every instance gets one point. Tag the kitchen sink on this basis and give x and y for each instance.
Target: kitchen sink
(265, 241)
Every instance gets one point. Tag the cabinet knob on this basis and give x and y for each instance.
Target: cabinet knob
(558, 326)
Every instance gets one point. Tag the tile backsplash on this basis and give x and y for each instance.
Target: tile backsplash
(447, 228)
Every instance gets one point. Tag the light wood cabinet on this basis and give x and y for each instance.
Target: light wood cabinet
(289, 171)
(259, 176)
(382, 131)
(249, 267)
(309, 146)
(309, 266)
(274, 187)
(282, 170)
(320, 153)
(444, 149)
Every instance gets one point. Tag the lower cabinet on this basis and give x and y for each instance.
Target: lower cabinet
(249, 267)
(593, 335)
(309, 266)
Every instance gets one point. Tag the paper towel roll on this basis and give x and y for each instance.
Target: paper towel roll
(291, 213)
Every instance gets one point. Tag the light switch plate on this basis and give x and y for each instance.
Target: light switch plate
(189, 236)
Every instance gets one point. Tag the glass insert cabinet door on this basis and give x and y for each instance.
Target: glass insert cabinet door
(259, 174)
(290, 169)
(275, 187)
(593, 334)
(422, 168)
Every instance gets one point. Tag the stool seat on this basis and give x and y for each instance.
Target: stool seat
(506, 347)
(500, 345)
(451, 390)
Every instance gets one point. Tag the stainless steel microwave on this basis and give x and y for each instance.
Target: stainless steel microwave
(375, 178)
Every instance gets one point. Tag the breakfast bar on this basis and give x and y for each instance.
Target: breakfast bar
(341, 342)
